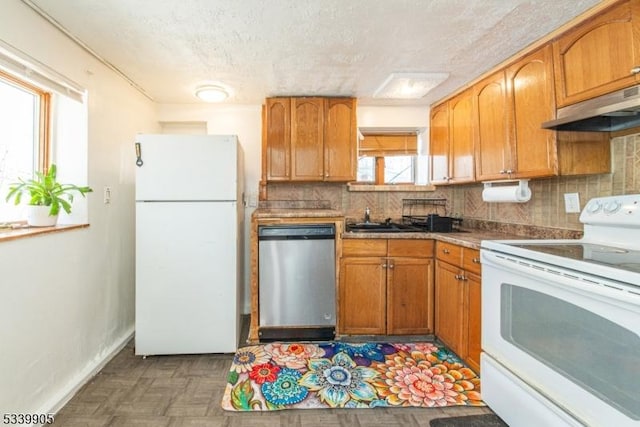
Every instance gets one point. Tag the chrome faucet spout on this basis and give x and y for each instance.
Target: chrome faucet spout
(367, 215)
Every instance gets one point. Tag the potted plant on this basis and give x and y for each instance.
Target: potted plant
(47, 196)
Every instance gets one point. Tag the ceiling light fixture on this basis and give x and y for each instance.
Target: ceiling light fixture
(212, 93)
(409, 85)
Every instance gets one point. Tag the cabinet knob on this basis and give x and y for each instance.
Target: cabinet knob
(503, 171)
(446, 251)
(635, 70)
(458, 276)
(391, 266)
(476, 260)
(510, 171)
(384, 265)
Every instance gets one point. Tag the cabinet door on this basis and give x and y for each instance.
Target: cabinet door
(530, 89)
(598, 55)
(493, 145)
(340, 141)
(474, 322)
(307, 139)
(362, 296)
(278, 139)
(449, 253)
(450, 307)
(471, 260)
(439, 144)
(410, 296)
(461, 138)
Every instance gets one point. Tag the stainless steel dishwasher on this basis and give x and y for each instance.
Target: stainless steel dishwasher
(297, 281)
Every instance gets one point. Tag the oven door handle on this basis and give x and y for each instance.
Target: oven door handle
(584, 284)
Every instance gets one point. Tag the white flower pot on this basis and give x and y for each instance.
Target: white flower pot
(38, 216)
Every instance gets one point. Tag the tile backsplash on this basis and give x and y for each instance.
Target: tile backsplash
(545, 209)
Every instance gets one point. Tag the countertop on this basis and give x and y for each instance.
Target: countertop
(468, 238)
(266, 213)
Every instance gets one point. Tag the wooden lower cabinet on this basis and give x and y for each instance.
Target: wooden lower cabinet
(363, 283)
(474, 322)
(458, 301)
(449, 310)
(386, 287)
(409, 296)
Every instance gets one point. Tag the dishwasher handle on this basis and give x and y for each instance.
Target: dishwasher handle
(297, 232)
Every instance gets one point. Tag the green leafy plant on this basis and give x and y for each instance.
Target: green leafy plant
(45, 190)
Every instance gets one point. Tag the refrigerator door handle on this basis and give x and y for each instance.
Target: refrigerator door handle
(139, 161)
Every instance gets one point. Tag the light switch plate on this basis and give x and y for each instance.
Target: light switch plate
(107, 195)
(571, 202)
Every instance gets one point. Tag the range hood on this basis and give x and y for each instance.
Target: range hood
(611, 112)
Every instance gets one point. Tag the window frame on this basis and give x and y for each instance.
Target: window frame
(379, 169)
(44, 119)
(43, 149)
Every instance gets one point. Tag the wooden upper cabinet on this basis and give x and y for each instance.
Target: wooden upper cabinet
(277, 147)
(530, 92)
(598, 56)
(340, 142)
(493, 148)
(461, 136)
(439, 144)
(307, 139)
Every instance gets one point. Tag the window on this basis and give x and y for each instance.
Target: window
(24, 136)
(393, 169)
(399, 169)
(387, 159)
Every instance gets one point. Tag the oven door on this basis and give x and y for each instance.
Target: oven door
(571, 337)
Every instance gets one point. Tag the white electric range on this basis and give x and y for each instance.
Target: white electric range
(561, 323)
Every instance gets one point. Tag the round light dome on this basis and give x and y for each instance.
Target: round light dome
(212, 93)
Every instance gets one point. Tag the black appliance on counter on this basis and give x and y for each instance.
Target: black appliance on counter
(434, 223)
(423, 214)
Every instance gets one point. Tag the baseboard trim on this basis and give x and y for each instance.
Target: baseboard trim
(57, 402)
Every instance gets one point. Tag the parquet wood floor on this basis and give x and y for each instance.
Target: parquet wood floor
(186, 390)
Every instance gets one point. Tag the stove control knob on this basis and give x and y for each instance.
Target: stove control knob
(594, 207)
(612, 207)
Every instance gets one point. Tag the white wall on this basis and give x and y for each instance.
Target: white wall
(67, 299)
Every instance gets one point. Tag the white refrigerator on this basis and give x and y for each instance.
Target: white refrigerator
(189, 221)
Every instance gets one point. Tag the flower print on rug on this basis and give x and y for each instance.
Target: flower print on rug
(348, 375)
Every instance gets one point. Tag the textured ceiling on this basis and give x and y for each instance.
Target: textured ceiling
(263, 48)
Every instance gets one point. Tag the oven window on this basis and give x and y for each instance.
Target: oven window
(599, 355)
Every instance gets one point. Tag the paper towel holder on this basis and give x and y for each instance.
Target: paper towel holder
(523, 185)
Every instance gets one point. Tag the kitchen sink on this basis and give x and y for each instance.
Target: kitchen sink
(381, 227)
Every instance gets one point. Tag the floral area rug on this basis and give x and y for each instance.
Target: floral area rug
(348, 375)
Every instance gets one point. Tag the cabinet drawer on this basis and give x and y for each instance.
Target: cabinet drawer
(448, 252)
(471, 260)
(410, 248)
(364, 247)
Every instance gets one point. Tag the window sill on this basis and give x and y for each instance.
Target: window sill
(25, 231)
(389, 187)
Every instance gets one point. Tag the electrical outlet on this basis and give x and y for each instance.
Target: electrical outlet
(107, 195)
(571, 202)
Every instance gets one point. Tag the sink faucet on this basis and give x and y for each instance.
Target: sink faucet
(367, 213)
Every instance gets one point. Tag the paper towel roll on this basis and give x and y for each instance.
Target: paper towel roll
(506, 194)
